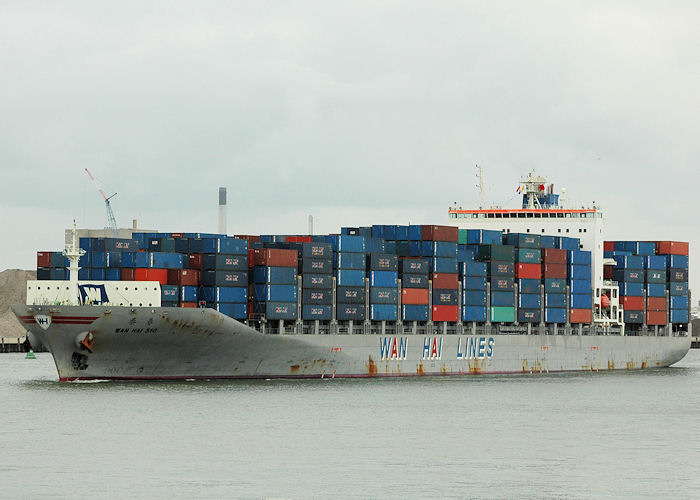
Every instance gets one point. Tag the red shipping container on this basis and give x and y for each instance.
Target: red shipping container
(580, 315)
(656, 317)
(275, 257)
(633, 303)
(184, 277)
(43, 259)
(145, 274)
(445, 313)
(608, 246)
(188, 304)
(672, 247)
(608, 272)
(299, 239)
(439, 233)
(417, 296)
(248, 237)
(445, 281)
(656, 304)
(127, 274)
(554, 256)
(251, 258)
(194, 261)
(177, 235)
(554, 270)
(528, 271)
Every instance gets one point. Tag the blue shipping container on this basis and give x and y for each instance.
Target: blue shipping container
(276, 310)
(99, 259)
(679, 302)
(474, 298)
(276, 275)
(502, 299)
(383, 312)
(225, 294)
(189, 294)
(676, 261)
(113, 259)
(444, 265)
(484, 236)
(350, 277)
(415, 281)
(529, 315)
(379, 295)
(414, 266)
(347, 312)
(315, 296)
(347, 260)
(413, 312)
(275, 293)
(350, 295)
(679, 316)
(678, 288)
(629, 261)
(474, 283)
(580, 286)
(529, 301)
(554, 285)
(235, 310)
(383, 278)
(316, 312)
(128, 259)
(581, 301)
(555, 300)
(555, 315)
(112, 274)
(629, 275)
(655, 262)
(579, 257)
(474, 269)
(323, 281)
(225, 278)
(502, 284)
(581, 272)
(97, 274)
(474, 313)
(344, 243)
(631, 289)
(529, 286)
(169, 293)
(445, 297)
(225, 261)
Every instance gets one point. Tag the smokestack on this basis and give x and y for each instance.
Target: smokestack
(311, 225)
(134, 224)
(222, 210)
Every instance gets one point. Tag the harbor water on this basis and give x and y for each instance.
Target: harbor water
(579, 435)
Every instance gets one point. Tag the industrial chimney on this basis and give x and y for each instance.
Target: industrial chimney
(311, 225)
(222, 210)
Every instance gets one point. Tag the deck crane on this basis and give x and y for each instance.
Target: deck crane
(111, 221)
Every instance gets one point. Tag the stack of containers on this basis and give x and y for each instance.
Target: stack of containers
(629, 273)
(474, 291)
(554, 273)
(275, 283)
(349, 269)
(528, 272)
(655, 280)
(414, 289)
(500, 261)
(51, 266)
(439, 243)
(383, 282)
(580, 286)
(316, 268)
(224, 275)
(676, 255)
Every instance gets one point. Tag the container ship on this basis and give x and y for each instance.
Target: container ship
(535, 289)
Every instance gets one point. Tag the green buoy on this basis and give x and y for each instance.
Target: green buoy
(30, 355)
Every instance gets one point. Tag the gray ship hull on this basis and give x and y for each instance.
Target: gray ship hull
(93, 342)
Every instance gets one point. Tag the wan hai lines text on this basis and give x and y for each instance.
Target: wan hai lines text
(467, 348)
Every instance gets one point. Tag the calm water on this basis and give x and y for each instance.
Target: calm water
(587, 435)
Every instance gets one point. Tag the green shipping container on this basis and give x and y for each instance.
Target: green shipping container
(503, 314)
(462, 236)
(504, 253)
(529, 255)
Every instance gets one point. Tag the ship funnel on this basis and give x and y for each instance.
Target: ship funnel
(222, 210)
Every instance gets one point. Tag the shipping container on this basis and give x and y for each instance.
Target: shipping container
(415, 312)
(529, 315)
(675, 261)
(189, 294)
(656, 303)
(555, 315)
(656, 317)
(474, 298)
(679, 316)
(631, 316)
(316, 312)
(316, 281)
(678, 288)
(655, 276)
(347, 260)
(275, 293)
(485, 236)
(580, 286)
(223, 261)
(224, 294)
(275, 257)
(235, 310)
(555, 300)
(672, 247)
(632, 303)
(529, 301)
(501, 314)
(43, 259)
(414, 266)
(579, 257)
(344, 243)
(475, 283)
(414, 281)
(580, 316)
(678, 275)
(656, 289)
(351, 295)
(502, 299)
(632, 289)
(528, 271)
(529, 285)
(276, 275)
(474, 269)
(581, 272)
(549, 242)
(445, 280)
(448, 313)
(316, 296)
(474, 313)
(169, 293)
(504, 253)
(380, 295)
(556, 271)
(444, 265)
(445, 297)
(95, 274)
(629, 261)
(414, 296)
(528, 256)
(185, 277)
(524, 240)
(316, 266)
(317, 250)
(440, 233)
(383, 262)
(383, 312)
(555, 285)
(566, 243)
(580, 300)
(276, 310)
(502, 284)
(221, 278)
(383, 278)
(347, 312)
(679, 301)
(99, 259)
(501, 269)
(655, 262)
(111, 274)
(127, 274)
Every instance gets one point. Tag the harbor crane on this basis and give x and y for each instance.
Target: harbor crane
(111, 221)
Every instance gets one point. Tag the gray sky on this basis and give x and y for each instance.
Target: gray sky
(357, 112)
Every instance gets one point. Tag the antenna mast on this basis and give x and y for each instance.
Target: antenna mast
(111, 221)
(482, 186)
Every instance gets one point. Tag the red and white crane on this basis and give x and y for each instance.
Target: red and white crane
(111, 221)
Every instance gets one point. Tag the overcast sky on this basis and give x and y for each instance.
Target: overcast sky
(357, 112)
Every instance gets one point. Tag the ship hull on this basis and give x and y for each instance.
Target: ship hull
(122, 343)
